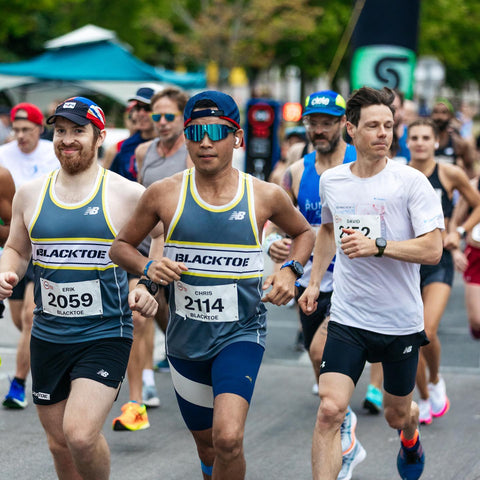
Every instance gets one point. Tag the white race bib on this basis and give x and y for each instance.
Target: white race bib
(212, 303)
(369, 225)
(76, 299)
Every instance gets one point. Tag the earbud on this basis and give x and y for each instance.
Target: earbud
(237, 141)
(436, 145)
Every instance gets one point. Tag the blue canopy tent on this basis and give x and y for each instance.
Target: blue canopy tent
(92, 58)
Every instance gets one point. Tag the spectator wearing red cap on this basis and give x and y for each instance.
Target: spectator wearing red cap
(27, 157)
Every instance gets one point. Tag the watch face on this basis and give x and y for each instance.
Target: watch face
(297, 268)
(380, 242)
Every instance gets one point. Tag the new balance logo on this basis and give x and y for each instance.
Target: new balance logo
(103, 373)
(237, 215)
(323, 364)
(91, 211)
(407, 350)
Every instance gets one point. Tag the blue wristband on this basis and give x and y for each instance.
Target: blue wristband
(147, 266)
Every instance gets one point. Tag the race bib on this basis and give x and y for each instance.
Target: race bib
(476, 232)
(212, 303)
(369, 225)
(76, 299)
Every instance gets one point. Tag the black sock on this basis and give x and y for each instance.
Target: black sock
(20, 381)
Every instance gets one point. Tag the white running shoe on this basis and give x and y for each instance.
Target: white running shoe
(425, 412)
(347, 431)
(150, 396)
(438, 398)
(351, 460)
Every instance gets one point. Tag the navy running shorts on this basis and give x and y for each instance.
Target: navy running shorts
(310, 323)
(348, 348)
(442, 272)
(55, 365)
(197, 383)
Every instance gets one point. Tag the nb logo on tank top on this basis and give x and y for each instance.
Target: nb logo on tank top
(237, 215)
(91, 210)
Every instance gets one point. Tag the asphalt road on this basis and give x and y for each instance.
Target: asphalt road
(280, 422)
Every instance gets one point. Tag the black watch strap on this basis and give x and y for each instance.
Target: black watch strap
(152, 287)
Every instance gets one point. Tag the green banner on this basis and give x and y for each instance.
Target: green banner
(379, 66)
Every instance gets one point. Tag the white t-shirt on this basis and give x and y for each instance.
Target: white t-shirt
(379, 294)
(28, 166)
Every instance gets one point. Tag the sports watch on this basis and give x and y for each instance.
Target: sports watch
(296, 267)
(151, 286)
(462, 232)
(380, 243)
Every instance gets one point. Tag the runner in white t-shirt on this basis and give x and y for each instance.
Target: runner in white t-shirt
(372, 208)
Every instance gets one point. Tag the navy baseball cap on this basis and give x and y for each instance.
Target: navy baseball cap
(144, 94)
(79, 110)
(227, 108)
(325, 101)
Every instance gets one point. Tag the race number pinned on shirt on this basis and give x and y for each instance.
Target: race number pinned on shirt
(210, 303)
(369, 225)
(76, 299)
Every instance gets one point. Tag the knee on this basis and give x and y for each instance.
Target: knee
(79, 440)
(57, 447)
(228, 445)
(330, 413)
(398, 417)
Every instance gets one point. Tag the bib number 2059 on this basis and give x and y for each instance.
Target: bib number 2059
(76, 299)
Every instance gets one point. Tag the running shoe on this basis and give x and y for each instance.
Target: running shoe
(438, 398)
(425, 412)
(373, 400)
(15, 397)
(347, 431)
(150, 396)
(410, 461)
(162, 366)
(351, 460)
(134, 417)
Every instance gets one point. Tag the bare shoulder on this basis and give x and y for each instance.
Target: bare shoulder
(123, 190)
(142, 148)
(30, 191)
(453, 172)
(268, 194)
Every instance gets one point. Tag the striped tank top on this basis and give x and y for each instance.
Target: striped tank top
(217, 301)
(80, 294)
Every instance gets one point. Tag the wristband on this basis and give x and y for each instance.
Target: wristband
(147, 266)
(273, 237)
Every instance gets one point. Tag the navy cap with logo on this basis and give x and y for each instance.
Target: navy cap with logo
(144, 94)
(326, 102)
(79, 110)
(227, 108)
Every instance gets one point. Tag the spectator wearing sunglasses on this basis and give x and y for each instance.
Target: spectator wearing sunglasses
(124, 162)
(213, 216)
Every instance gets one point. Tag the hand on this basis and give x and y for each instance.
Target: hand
(8, 280)
(459, 260)
(308, 301)
(356, 244)
(140, 300)
(283, 287)
(165, 271)
(452, 241)
(280, 250)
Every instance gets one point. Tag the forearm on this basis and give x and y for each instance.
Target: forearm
(127, 257)
(426, 250)
(12, 261)
(323, 254)
(301, 246)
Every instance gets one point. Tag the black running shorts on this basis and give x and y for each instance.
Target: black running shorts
(55, 365)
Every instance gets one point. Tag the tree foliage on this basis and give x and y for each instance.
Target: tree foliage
(255, 34)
